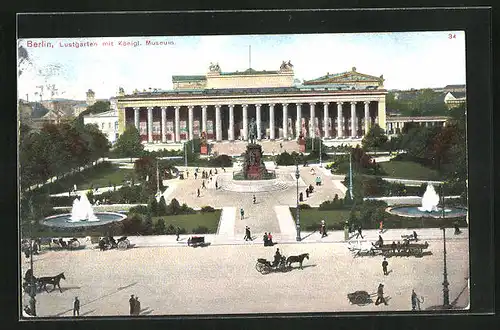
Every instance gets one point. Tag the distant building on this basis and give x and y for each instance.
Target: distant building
(395, 124)
(90, 97)
(107, 122)
(453, 99)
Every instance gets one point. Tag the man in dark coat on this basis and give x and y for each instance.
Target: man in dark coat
(132, 304)
(137, 306)
(384, 266)
(359, 232)
(266, 242)
(380, 295)
(76, 307)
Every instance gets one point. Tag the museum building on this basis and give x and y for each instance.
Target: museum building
(222, 104)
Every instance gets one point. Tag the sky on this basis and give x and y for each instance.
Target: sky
(406, 60)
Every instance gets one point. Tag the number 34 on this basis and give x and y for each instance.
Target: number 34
(452, 36)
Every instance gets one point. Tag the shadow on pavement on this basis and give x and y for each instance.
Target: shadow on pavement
(146, 311)
(70, 288)
(303, 238)
(87, 313)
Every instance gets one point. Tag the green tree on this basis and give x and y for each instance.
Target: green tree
(97, 107)
(153, 206)
(129, 143)
(374, 139)
(162, 207)
(159, 227)
(147, 228)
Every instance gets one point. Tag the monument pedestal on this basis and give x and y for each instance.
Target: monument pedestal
(204, 150)
(254, 168)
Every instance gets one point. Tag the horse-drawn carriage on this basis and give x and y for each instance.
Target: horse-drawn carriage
(281, 263)
(71, 244)
(264, 266)
(32, 283)
(108, 243)
(196, 241)
(372, 249)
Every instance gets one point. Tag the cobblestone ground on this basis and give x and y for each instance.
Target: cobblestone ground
(260, 217)
(223, 279)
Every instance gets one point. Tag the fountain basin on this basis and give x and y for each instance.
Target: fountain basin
(64, 220)
(414, 212)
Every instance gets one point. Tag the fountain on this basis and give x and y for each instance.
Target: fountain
(82, 210)
(429, 208)
(82, 215)
(430, 199)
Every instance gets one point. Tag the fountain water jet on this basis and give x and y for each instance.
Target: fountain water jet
(430, 199)
(82, 210)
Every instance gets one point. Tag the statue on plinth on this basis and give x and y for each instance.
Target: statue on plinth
(252, 131)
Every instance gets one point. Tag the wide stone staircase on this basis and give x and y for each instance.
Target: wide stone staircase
(268, 147)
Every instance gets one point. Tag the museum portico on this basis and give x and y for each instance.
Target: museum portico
(222, 104)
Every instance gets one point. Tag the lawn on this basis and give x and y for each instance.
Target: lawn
(310, 219)
(191, 221)
(97, 176)
(408, 170)
(113, 175)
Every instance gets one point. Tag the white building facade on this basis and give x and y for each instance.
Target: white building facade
(107, 122)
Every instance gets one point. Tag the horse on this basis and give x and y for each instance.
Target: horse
(298, 259)
(54, 280)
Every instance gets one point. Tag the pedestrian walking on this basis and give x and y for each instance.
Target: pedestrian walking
(381, 226)
(307, 193)
(249, 234)
(415, 302)
(323, 229)
(137, 308)
(266, 239)
(380, 295)
(224, 170)
(360, 232)
(384, 266)
(132, 304)
(203, 184)
(216, 185)
(178, 230)
(187, 174)
(76, 307)
(210, 172)
(254, 199)
(242, 213)
(195, 175)
(198, 193)
(301, 197)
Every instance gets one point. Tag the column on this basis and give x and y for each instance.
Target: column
(204, 118)
(312, 121)
(381, 118)
(190, 115)
(177, 125)
(353, 119)
(258, 119)
(325, 120)
(298, 123)
(150, 124)
(136, 118)
(340, 126)
(164, 124)
(231, 122)
(367, 116)
(285, 121)
(271, 121)
(245, 121)
(218, 124)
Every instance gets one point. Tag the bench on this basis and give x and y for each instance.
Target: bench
(195, 241)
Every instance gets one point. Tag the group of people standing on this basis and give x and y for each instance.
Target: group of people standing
(135, 305)
(268, 239)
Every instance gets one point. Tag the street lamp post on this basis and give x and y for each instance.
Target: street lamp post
(32, 292)
(185, 156)
(320, 160)
(297, 176)
(446, 291)
(350, 174)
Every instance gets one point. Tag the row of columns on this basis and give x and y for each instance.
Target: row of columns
(218, 126)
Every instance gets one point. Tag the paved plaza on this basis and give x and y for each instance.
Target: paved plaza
(219, 279)
(171, 278)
